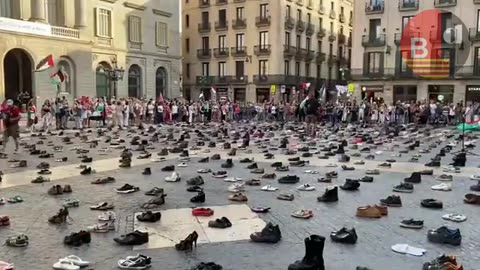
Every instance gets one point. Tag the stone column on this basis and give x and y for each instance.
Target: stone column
(38, 11)
(80, 13)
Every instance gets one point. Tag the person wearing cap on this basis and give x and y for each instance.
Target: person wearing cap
(11, 117)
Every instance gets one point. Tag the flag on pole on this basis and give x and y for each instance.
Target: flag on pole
(160, 99)
(201, 96)
(322, 93)
(214, 92)
(58, 77)
(45, 64)
(214, 95)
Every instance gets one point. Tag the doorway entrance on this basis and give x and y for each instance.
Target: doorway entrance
(18, 73)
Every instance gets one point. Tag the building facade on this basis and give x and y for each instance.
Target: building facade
(257, 50)
(92, 42)
(379, 66)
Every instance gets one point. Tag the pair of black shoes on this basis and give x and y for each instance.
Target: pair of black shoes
(345, 236)
(149, 216)
(133, 238)
(220, 223)
(77, 239)
(350, 185)
(199, 198)
(207, 266)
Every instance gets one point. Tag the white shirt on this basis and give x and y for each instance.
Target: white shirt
(160, 108)
(150, 108)
(174, 109)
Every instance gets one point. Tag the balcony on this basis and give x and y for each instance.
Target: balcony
(332, 37)
(204, 27)
(239, 51)
(222, 2)
(341, 18)
(221, 80)
(332, 60)
(301, 54)
(350, 21)
(332, 14)
(300, 2)
(289, 22)
(204, 3)
(221, 26)
(374, 8)
(289, 51)
(321, 10)
(239, 1)
(204, 53)
(65, 32)
(373, 41)
(342, 39)
(262, 50)
(300, 26)
(262, 21)
(321, 33)
(238, 79)
(310, 29)
(239, 24)
(205, 80)
(407, 5)
(474, 35)
(310, 56)
(221, 52)
(320, 57)
(274, 79)
(349, 41)
(445, 3)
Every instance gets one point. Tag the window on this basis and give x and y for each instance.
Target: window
(307, 43)
(319, 71)
(287, 38)
(240, 40)
(320, 22)
(222, 16)
(187, 45)
(240, 12)
(374, 28)
(374, 62)
(405, 20)
(264, 10)
(476, 63)
(478, 20)
(288, 11)
(331, 27)
(205, 69)
(135, 29)
(205, 43)
(187, 21)
(205, 18)
(332, 6)
(222, 43)
(402, 64)
(239, 68)
(287, 68)
(309, 18)
(6, 8)
(319, 46)
(330, 49)
(162, 34)
(187, 67)
(342, 10)
(263, 67)
(299, 41)
(222, 69)
(263, 39)
(104, 23)
(341, 29)
(66, 86)
(299, 14)
(297, 68)
(307, 69)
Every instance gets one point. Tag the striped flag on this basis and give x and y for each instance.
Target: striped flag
(430, 68)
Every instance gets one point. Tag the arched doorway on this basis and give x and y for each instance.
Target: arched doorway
(103, 80)
(161, 82)
(134, 81)
(18, 73)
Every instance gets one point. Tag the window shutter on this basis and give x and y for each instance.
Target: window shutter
(97, 22)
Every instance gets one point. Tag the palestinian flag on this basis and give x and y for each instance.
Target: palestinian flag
(58, 77)
(45, 64)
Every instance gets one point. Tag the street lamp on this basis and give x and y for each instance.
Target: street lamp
(115, 74)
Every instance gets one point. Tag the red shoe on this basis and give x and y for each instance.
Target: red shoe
(204, 212)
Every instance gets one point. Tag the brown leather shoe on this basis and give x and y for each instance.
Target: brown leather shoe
(383, 209)
(368, 211)
(472, 199)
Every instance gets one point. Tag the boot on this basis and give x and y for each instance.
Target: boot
(415, 178)
(163, 152)
(184, 153)
(433, 164)
(330, 195)
(442, 153)
(340, 149)
(308, 262)
(226, 146)
(228, 164)
(147, 171)
(232, 152)
(199, 198)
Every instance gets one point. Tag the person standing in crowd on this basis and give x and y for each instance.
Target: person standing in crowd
(174, 112)
(149, 115)
(311, 113)
(159, 113)
(126, 113)
(31, 115)
(11, 117)
(77, 114)
(46, 115)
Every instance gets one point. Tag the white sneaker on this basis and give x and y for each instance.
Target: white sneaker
(183, 159)
(107, 216)
(475, 177)
(311, 172)
(182, 165)
(232, 179)
(306, 187)
(451, 169)
(443, 187)
(331, 165)
(237, 187)
(173, 178)
(455, 217)
(269, 188)
(102, 227)
(157, 159)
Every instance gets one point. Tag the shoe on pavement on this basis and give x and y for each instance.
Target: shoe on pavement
(442, 187)
(444, 177)
(404, 188)
(411, 224)
(431, 203)
(305, 214)
(175, 177)
(444, 235)
(269, 188)
(392, 201)
(127, 188)
(455, 217)
(306, 187)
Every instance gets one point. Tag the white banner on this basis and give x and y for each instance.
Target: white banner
(19, 26)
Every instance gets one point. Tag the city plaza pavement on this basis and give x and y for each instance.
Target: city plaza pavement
(231, 247)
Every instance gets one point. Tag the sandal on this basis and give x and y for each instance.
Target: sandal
(65, 265)
(6, 266)
(17, 241)
(16, 199)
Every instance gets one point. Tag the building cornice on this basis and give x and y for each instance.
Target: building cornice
(110, 1)
(162, 13)
(134, 6)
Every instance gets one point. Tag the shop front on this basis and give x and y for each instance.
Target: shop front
(472, 93)
(263, 95)
(405, 93)
(371, 92)
(443, 93)
(240, 95)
